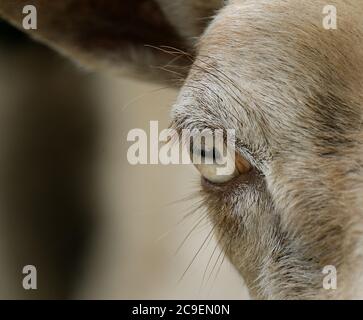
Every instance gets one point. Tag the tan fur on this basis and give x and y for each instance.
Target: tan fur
(293, 92)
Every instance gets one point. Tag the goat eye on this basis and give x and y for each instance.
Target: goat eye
(218, 166)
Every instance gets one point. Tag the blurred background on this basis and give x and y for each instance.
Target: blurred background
(94, 226)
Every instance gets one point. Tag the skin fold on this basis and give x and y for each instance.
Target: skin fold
(291, 89)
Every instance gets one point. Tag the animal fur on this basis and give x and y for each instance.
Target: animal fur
(291, 89)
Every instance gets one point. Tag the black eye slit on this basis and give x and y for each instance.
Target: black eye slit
(211, 154)
(203, 153)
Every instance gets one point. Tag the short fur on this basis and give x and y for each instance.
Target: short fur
(293, 92)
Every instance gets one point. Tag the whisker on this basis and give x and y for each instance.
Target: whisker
(163, 49)
(214, 265)
(220, 266)
(220, 238)
(143, 95)
(175, 59)
(192, 210)
(170, 71)
(207, 267)
(197, 253)
(177, 50)
(224, 250)
(204, 216)
(188, 197)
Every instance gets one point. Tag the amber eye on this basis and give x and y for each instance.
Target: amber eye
(217, 166)
(242, 165)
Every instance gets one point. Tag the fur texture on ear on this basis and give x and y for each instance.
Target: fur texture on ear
(142, 37)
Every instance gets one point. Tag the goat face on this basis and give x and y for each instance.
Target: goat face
(292, 91)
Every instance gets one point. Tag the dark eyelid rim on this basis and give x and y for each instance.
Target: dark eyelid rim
(244, 149)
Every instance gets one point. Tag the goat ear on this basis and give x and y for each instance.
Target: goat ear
(115, 33)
